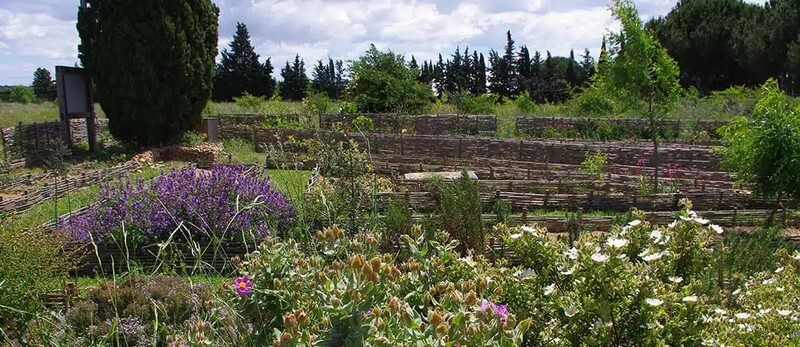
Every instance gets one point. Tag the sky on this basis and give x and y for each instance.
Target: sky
(41, 33)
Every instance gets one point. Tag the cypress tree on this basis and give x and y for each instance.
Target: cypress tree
(152, 82)
(536, 85)
(43, 85)
(523, 69)
(341, 79)
(240, 71)
(587, 67)
(480, 82)
(571, 74)
(439, 76)
(324, 79)
(512, 82)
(295, 82)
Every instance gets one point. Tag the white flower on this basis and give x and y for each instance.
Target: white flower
(690, 298)
(655, 234)
(796, 255)
(737, 291)
(570, 271)
(717, 229)
(651, 325)
(516, 236)
(702, 221)
(651, 257)
(687, 218)
(616, 243)
(784, 312)
(720, 311)
(622, 256)
(779, 270)
(673, 224)
(572, 253)
(468, 260)
(779, 289)
(571, 311)
(654, 302)
(769, 282)
(526, 273)
(675, 279)
(764, 311)
(550, 289)
(528, 229)
(635, 222)
(600, 257)
(742, 315)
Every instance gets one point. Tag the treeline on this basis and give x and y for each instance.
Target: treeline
(724, 43)
(544, 78)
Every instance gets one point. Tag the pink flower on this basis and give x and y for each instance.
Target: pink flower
(243, 285)
(502, 310)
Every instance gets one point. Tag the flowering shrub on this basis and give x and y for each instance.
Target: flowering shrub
(644, 285)
(228, 202)
(343, 291)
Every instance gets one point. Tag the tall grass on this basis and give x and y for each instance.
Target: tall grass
(12, 113)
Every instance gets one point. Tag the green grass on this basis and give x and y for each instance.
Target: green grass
(48, 210)
(12, 113)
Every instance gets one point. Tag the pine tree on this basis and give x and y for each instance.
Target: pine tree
(43, 85)
(152, 82)
(295, 82)
(240, 71)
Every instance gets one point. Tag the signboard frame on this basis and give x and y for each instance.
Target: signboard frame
(75, 101)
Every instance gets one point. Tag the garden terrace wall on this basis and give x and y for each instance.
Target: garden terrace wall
(24, 140)
(418, 124)
(424, 201)
(535, 126)
(610, 169)
(558, 177)
(65, 186)
(620, 153)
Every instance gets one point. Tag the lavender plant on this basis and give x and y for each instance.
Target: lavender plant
(229, 202)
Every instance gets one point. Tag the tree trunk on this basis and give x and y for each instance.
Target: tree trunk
(771, 217)
(654, 129)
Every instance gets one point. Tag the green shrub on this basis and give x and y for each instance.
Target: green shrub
(18, 94)
(594, 166)
(525, 104)
(32, 263)
(481, 104)
(397, 221)
(363, 124)
(460, 213)
(250, 103)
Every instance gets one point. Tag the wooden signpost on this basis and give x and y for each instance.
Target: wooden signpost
(75, 101)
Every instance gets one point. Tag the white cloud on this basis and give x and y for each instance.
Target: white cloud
(37, 35)
(42, 32)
